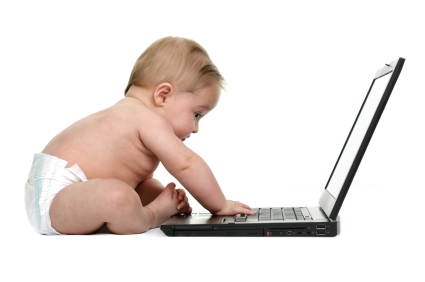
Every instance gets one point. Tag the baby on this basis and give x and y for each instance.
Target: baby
(100, 169)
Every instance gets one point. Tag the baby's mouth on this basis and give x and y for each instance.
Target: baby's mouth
(184, 138)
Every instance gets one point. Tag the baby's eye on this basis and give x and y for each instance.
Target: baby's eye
(197, 115)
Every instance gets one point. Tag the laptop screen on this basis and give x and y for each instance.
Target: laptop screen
(357, 134)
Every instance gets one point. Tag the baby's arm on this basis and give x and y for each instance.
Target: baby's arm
(188, 168)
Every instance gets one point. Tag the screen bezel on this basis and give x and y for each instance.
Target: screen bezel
(327, 201)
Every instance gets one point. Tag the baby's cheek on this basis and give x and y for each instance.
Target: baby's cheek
(187, 128)
(178, 128)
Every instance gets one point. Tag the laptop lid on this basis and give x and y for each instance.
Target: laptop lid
(358, 139)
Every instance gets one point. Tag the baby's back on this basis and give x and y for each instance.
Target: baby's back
(106, 144)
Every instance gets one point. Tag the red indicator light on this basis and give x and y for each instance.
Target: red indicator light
(268, 233)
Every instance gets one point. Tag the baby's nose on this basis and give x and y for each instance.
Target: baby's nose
(195, 130)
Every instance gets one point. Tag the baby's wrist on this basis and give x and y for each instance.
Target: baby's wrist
(225, 208)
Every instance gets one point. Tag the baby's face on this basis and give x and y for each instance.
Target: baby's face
(186, 109)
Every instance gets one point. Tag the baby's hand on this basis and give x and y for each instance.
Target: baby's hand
(183, 206)
(235, 207)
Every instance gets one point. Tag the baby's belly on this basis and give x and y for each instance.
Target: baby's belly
(130, 166)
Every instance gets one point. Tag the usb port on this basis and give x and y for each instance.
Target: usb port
(321, 232)
(289, 232)
(321, 226)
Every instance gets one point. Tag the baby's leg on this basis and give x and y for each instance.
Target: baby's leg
(84, 207)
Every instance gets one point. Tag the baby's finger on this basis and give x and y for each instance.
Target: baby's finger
(242, 210)
(189, 211)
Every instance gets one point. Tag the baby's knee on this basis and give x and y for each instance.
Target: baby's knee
(120, 198)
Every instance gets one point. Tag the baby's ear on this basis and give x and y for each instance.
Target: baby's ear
(162, 93)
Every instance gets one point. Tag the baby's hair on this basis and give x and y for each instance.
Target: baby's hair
(182, 62)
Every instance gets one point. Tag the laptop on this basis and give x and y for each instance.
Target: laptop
(322, 220)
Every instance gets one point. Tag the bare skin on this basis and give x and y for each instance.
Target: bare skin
(119, 149)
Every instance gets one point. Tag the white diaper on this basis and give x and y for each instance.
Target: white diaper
(47, 177)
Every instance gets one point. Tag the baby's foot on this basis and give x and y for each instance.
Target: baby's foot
(164, 206)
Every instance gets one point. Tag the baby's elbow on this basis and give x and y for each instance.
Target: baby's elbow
(185, 163)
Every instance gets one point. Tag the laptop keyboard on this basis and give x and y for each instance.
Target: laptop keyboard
(272, 214)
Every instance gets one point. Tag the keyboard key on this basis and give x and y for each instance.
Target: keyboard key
(288, 213)
(240, 218)
(252, 218)
(306, 214)
(265, 214)
(265, 210)
(277, 214)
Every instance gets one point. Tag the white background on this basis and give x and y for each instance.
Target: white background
(296, 74)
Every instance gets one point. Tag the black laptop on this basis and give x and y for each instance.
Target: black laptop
(322, 220)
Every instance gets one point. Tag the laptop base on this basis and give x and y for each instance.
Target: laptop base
(207, 225)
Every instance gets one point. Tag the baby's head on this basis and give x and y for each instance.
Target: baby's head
(176, 78)
(180, 61)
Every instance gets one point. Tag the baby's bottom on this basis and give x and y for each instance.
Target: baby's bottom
(84, 207)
